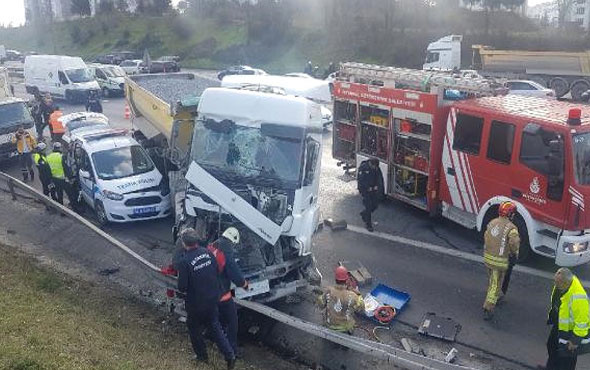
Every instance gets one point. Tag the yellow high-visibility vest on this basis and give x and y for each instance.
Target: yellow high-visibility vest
(55, 164)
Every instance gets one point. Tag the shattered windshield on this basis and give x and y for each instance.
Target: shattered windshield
(79, 75)
(582, 158)
(247, 152)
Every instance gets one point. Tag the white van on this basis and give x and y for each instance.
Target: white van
(117, 177)
(110, 78)
(61, 76)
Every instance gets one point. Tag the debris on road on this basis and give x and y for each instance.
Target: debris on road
(451, 356)
(358, 272)
(439, 327)
(336, 225)
(107, 272)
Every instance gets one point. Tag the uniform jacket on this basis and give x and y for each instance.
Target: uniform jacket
(229, 270)
(573, 313)
(55, 161)
(43, 166)
(501, 241)
(368, 178)
(197, 277)
(340, 306)
(55, 124)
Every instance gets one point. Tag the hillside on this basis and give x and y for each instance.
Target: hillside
(284, 45)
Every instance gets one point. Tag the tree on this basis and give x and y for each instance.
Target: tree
(493, 5)
(159, 7)
(80, 7)
(122, 6)
(564, 7)
(106, 7)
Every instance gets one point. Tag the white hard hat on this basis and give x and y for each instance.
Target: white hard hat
(57, 145)
(41, 146)
(232, 234)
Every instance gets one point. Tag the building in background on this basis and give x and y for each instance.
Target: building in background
(548, 13)
(478, 7)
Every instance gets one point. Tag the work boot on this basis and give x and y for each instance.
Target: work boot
(32, 174)
(231, 363)
(370, 226)
(487, 315)
(25, 177)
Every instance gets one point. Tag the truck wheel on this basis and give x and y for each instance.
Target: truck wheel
(560, 86)
(578, 88)
(525, 247)
(101, 214)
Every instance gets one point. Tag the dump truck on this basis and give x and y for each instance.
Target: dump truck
(249, 159)
(561, 71)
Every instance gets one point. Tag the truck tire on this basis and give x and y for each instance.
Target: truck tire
(101, 214)
(578, 88)
(560, 86)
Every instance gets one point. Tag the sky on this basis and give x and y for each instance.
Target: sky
(13, 11)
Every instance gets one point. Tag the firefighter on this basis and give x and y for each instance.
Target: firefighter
(341, 303)
(58, 182)
(40, 159)
(25, 144)
(370, 185)
(56, 128)
(502, 242)
(198, 279)
(229, 272)
(569, 317)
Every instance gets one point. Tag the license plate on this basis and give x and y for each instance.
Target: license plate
(142, 211)
(255, 288)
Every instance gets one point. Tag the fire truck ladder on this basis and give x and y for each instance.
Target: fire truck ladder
(414, 79)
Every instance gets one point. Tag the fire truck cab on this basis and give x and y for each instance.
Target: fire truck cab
(458, 148)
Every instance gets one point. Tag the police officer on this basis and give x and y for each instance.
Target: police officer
(569, 319)
(229, 272)
(341, 303)
(370, 185)
(198, 279)
(56, 165)
(502, 242)
(43, 168)
(93, 103)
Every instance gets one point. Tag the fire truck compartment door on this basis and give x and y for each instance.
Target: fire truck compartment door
(233, 203)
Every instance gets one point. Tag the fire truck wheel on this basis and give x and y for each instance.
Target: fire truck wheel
(525, 247)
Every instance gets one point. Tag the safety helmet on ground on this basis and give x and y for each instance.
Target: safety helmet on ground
(507, 209)
(232, 234)
(341, 274)
(41, 146)
(57, 145)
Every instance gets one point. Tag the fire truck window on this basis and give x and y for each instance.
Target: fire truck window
(468, 134)
(501, 142)
(535, 148)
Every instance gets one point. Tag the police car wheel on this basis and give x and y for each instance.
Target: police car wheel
(101, 214)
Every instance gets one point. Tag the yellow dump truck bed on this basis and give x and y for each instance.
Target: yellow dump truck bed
(534, 62)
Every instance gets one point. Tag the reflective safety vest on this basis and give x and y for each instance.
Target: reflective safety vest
(55, 124)
(574, 314)
(54, 160)
(501, 241)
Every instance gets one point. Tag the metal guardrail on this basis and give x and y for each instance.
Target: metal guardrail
(384, 352)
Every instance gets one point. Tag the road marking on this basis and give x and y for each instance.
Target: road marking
(450, 252)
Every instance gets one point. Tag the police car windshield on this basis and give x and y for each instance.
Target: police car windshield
(121, 162)
(13, 114)
(582, 158)
(79, 75)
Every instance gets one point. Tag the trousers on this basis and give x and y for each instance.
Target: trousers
(197, 321)
(228, 316)
(554, 361)
(26, 166)
(495, 280)
(370, 202)
(57, 193)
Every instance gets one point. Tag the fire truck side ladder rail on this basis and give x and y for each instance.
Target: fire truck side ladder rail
(419, 79)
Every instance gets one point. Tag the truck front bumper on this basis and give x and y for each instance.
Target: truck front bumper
(579, 243)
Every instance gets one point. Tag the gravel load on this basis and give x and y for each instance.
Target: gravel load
(171, 88)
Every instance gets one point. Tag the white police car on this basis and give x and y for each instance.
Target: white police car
(117, 178)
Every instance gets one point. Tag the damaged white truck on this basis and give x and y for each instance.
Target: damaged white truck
(250, 159)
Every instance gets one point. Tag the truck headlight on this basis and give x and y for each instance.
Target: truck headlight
(571, 248)
(112, 195)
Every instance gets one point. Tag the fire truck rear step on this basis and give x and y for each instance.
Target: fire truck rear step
(466, 219)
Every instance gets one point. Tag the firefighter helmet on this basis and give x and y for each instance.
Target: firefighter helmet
(507, 209)
(232, 234)
(341, 274)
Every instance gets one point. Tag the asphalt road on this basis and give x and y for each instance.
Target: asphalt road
(448, 286)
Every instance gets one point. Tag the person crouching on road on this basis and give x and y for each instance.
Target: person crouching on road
(502, 242)
(341, 303)
(56, 165)
(229, 272)
(370, 185)
(40, 159)
(569, 317)
(198, 279)
(25, 144)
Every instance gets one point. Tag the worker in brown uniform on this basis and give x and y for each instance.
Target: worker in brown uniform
(341, 303)
(502, 241)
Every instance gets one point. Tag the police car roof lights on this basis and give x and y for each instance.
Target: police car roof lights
(112, 132)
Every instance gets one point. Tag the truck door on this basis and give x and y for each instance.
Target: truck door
(461, 149)
(538, 181)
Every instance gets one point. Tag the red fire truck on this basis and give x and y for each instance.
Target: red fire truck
(458, 148)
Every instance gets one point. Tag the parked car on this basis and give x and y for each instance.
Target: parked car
(163, 67)
(105, 59)
(111, 79)
(132, 67)
(300, 75)
(240, 70)
(171, 59)
(14, 56)
(529, 88)
(120, 56)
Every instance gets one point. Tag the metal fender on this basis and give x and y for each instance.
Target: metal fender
(521, 209)
(309, 225)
